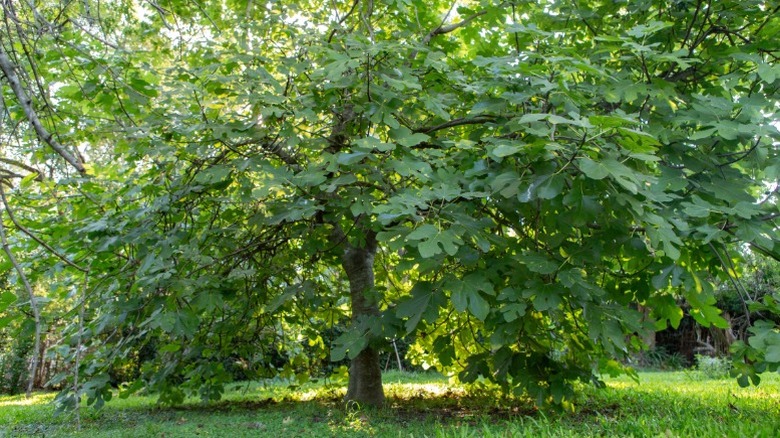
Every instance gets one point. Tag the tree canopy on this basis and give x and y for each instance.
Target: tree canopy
(524, 189)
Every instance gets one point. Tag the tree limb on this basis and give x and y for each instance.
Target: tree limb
(442, 29)
(454, 26)
(13, 80)
(23, 166)
(477, 120)
(24, 230)
(274, 148)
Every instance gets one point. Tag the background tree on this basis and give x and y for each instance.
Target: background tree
(506, 181)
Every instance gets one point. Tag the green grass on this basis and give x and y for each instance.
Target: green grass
(424, 405)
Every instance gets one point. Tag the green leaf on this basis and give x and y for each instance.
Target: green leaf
(477, 281)
(538, 263)
(6, 299)
(350, 158)
(282, 298)
(506, 149)
(373, 143)
(638, 141)
(423, 232)
(611, 121)
(428, 248)
(412, 139)
(546, 298)
(349, 345)
(665, 309)
(416, 306)
(513, 311)
(460, 299)
(772, 353)
(478, 306)
(5, 320)
(768, 72)
(593, 169)
(550, 187)
(311, 178)
(186, 323)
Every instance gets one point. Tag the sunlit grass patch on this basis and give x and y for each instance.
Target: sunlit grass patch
(22, 400)
(423, 405)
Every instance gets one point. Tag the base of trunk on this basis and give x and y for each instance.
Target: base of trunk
(365, 380)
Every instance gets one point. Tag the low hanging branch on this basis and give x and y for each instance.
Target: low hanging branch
(24, 230)
(8, 69)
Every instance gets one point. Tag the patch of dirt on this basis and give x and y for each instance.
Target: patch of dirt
(460, 413)
(226, 406)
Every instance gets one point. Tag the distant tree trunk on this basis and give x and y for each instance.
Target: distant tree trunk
(648, 337)
(365, 373)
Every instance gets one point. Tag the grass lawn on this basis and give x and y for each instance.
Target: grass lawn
(424, 405)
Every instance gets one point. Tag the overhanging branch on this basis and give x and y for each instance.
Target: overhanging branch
(8, 69)
(449, 28)
(442, 29)
(24, 230)
(21, 165)
(476, 120)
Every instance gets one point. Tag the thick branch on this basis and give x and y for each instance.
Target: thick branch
(477, 120)
(273, 148)
(13, 80)
(447, 29)
(276, 149)
(442, 29)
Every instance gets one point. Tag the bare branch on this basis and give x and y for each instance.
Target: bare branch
(13, 80)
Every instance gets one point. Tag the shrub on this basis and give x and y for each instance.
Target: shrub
(711, 367)
(659, 358)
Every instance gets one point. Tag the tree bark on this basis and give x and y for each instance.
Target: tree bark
(365, 372)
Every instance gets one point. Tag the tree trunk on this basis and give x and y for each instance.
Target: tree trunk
(365, 372)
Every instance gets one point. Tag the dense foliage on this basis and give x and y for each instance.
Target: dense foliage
(215, 189)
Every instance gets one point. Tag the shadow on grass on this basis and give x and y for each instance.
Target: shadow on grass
(449, 406)
(427, 409)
